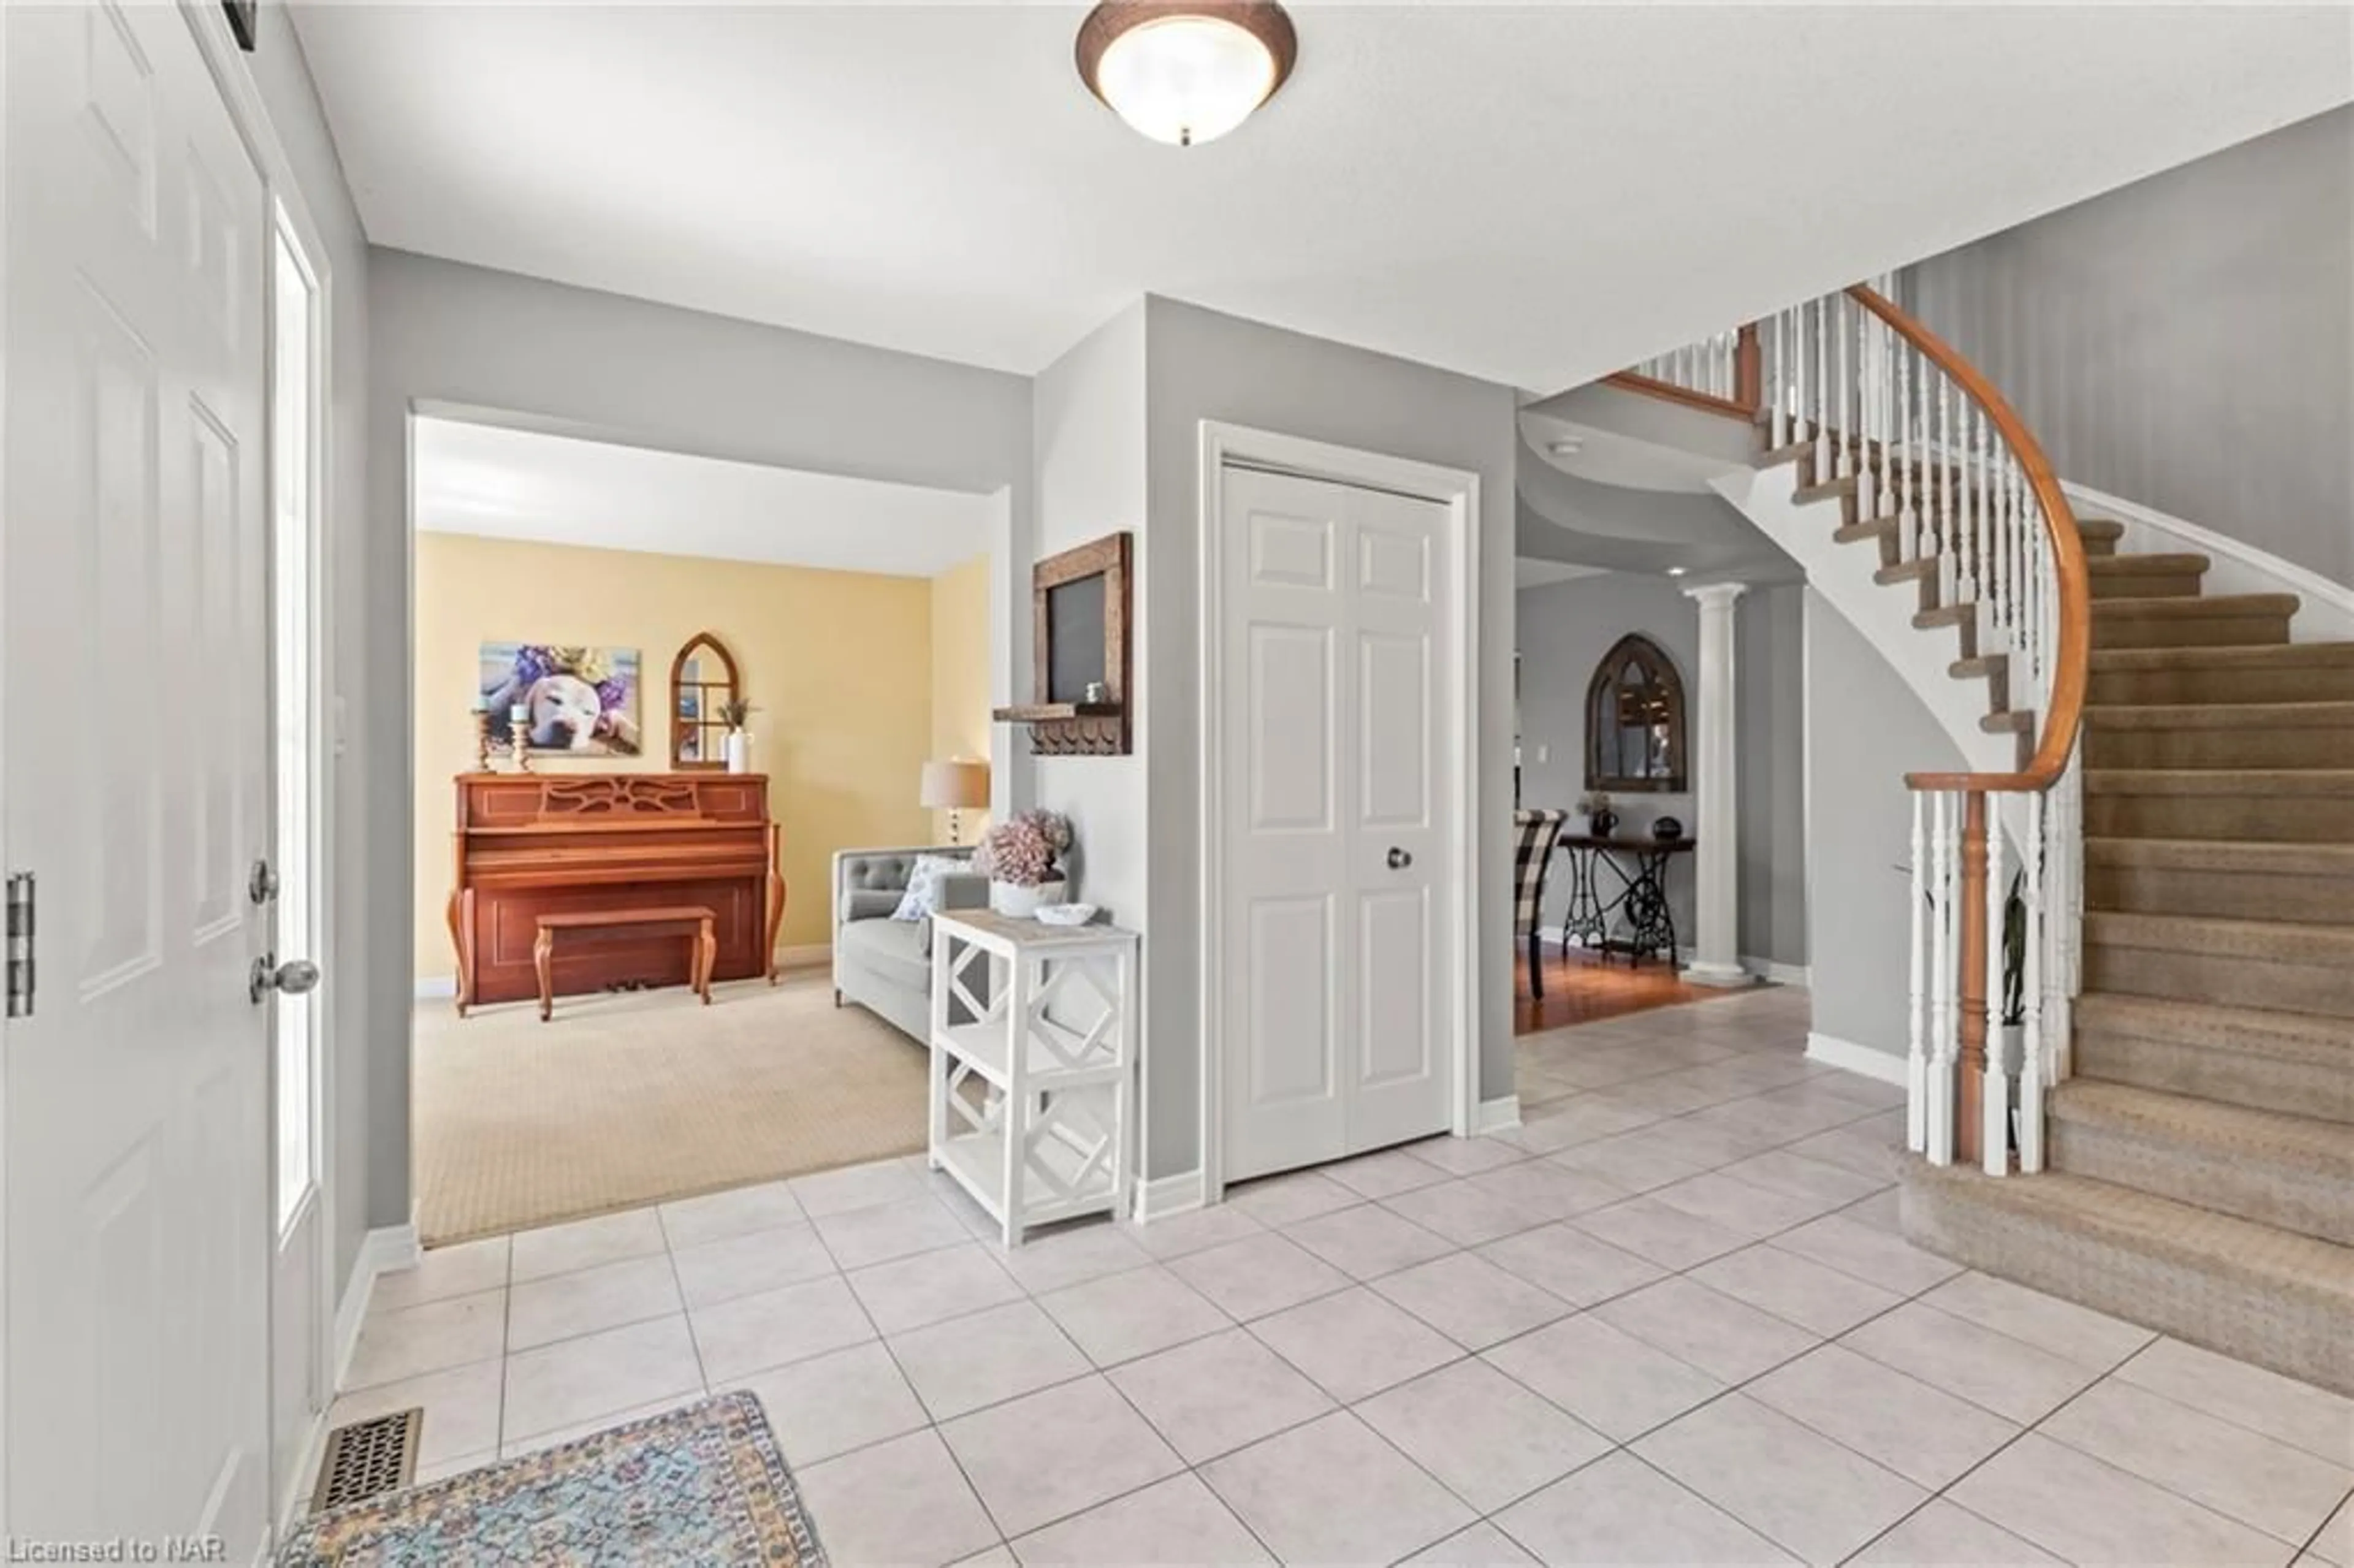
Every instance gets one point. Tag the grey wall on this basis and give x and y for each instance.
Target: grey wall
(1200, 364)
(1087, 435)
(1564, 631)
(292, 106)
(1866, 731)
(447, 336)
(2187, 340)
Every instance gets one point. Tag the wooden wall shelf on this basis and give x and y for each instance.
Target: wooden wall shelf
(1080, 610)
(1046, 712)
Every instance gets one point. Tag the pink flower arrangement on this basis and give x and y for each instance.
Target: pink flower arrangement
(1021, 850)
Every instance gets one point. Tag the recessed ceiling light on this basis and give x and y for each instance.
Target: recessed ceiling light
(1677, 571)
(1186, 71)
(1568, 445)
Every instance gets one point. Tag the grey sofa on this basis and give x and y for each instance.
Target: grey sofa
(881, 964)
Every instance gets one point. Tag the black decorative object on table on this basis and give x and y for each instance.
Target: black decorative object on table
(1641, 903)
(1667, 830)
(242, 16)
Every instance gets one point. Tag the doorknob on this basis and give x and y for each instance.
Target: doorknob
(1399, 859)
(293, 977)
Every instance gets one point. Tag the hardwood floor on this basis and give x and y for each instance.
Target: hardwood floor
(1581, 989)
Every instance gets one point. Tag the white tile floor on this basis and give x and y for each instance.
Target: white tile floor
(1667, 1320)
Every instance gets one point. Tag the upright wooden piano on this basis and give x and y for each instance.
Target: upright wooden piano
(529, 844)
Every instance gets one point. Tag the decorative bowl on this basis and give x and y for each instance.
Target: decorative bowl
(1064, 913)
(1667, 830)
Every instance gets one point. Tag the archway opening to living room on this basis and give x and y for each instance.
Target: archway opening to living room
(680, 729)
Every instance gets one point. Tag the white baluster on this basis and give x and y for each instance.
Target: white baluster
(1916, 1040)
(1824, 470)
(1910, 390)
(1843, 344)
(1867, 458)
(1950, 536)
(1775, 380)
(1942, 1021)
(1994, 1128)
(2031, 1059)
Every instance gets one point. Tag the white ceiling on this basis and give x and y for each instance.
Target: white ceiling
(1535, 194)
(517, 485)
(1528, 572)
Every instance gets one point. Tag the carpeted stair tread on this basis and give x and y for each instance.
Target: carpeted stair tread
(2270, 1166)
(2219, 715)
(2257, 856)
(2277, 941)
(2332, 781)
(2220, 878)
(2100, 530)
(2113, 577)
(2254, 1291)
(2138, 564)
(2299, 1036)
(2263, 1059)
(2320, 1148)
(2257, 655)
(2213, 607)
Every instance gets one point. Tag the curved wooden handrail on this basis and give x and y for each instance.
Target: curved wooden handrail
(2072, 651)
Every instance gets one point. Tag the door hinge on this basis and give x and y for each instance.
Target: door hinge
(20, 945)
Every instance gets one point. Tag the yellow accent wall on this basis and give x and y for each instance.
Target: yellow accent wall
(840, 666)
(961, 705)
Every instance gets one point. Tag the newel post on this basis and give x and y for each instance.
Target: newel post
(1749, 370)
(1970, 1079)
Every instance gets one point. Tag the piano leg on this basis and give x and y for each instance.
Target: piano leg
(543, 955)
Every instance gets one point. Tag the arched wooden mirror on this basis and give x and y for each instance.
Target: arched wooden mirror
(1634, 721)
(703, 680)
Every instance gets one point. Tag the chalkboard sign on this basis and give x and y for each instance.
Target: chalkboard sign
(1075, 639)
(1079, 610)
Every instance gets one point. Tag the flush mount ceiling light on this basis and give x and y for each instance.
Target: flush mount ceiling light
(1186, 71)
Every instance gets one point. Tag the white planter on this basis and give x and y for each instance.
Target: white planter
(739, 752)
(1016, 902)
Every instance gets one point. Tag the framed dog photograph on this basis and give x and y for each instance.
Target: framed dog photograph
(581, 700)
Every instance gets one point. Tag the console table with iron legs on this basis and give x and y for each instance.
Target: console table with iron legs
(1644, 921)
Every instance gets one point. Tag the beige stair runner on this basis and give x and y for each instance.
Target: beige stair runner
(2202, 1157)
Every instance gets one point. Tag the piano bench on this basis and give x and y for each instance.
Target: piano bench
(689, 920)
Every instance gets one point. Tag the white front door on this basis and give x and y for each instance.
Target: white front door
(135, 787)
(1338, 893)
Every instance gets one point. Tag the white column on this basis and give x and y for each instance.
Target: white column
(1716, 946)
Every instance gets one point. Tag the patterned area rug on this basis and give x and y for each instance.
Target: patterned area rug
(703, 1483)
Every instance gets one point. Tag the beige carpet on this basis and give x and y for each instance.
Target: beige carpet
(631, 1099)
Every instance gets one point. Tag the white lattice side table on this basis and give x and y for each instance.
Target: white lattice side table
(1045, 1017)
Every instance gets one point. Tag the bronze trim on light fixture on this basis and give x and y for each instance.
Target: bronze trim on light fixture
(1262, 20)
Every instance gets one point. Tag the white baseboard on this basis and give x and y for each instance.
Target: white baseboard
(1497, 1115)
(385, 1250)
(382, 1251)
(437, 988)
(1833, 1051)
(1166, 1195)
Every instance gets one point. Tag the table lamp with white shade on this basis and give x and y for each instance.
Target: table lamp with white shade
(952, 786)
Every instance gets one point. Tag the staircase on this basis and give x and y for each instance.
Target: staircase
(2158, 1121)
(2200, 1158)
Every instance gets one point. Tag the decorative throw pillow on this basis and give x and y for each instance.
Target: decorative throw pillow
(923, 885)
